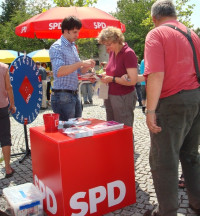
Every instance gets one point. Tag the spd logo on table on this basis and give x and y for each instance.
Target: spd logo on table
(96, 196)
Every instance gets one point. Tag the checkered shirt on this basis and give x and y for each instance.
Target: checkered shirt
(61, 53)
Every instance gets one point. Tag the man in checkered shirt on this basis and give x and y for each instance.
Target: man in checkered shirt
(66, 65)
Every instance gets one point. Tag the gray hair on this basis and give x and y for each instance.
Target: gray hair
(163, 8)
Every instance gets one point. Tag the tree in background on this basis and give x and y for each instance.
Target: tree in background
(27, 9)
(197, 31)
(37, 6)
(8, 39)
(79, 3)
(136, 15)
(132, 13)
(87, 48)
(9, 7)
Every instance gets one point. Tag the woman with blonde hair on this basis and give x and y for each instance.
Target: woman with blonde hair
(121, 76)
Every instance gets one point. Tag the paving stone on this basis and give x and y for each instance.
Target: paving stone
(145, 193)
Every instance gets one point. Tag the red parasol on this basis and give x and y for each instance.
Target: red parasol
(48, 24)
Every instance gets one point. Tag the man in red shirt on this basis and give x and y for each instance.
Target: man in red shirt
(173, 109)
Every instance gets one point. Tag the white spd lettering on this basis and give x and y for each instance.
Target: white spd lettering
(96, 196)
(99, 25)
(53, 26)
(48, 194)
(24, 29)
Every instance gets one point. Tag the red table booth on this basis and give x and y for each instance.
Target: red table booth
(87, 176)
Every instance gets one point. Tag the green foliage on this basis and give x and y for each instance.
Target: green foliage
(184, 12)
(197, 31)
(35, 7)
(9, 7)
(9, 40)
(136, 15)
(132, 13)
(79, 3)
(87, 48)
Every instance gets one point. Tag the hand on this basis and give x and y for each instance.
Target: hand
(106, 79)
(152, 124)
(12, 109)
(88, 63)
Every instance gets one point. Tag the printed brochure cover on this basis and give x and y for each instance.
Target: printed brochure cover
(106, 126)
(93, 128)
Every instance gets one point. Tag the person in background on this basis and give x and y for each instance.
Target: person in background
(173, 109)
(66, 64)
(49, 75)
(143, 87)
(87, 92)
(121, 76)
(103, 66)
(138, 88)
(43, 74)
(7, 105)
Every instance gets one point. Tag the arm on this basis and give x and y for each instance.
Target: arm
(141, 78)
(128, 79)
(68, 69)
(9, 90)
(154, 87)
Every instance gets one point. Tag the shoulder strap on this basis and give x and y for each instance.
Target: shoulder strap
(188, 36)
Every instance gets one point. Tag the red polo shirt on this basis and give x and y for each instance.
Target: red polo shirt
(168, 51)
(117, 66)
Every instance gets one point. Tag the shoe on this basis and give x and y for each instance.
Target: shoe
(3, 213)
(86, 102)
(140, 103)
(197, 211)
(10, 174)
(181, 182)
(91, 101)
(143, 109)
(43, 108)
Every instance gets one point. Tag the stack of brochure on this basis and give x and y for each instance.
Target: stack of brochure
(73, 122)
(106, 126)
(78, 132)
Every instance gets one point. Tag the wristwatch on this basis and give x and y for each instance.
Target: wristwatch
(150, 111)
(113, 80)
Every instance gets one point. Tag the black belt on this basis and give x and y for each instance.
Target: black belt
(65, 90)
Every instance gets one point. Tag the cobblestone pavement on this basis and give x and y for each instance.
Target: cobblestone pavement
(146, 197)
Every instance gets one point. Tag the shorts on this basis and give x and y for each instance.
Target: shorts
(5, 136)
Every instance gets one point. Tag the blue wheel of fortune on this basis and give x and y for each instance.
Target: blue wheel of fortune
(27, 89)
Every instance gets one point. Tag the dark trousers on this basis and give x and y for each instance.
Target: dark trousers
(5, 136)
(179, 118)
(48, 90)
(139, 92)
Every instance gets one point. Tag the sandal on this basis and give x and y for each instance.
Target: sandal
(10, 174)
(181, 182)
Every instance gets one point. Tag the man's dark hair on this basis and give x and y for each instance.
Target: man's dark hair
(70, 23)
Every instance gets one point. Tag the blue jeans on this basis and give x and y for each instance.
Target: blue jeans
(66, 104)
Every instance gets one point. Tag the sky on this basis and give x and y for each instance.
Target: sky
(111, 5)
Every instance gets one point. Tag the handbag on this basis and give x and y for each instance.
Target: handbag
(188, 36)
